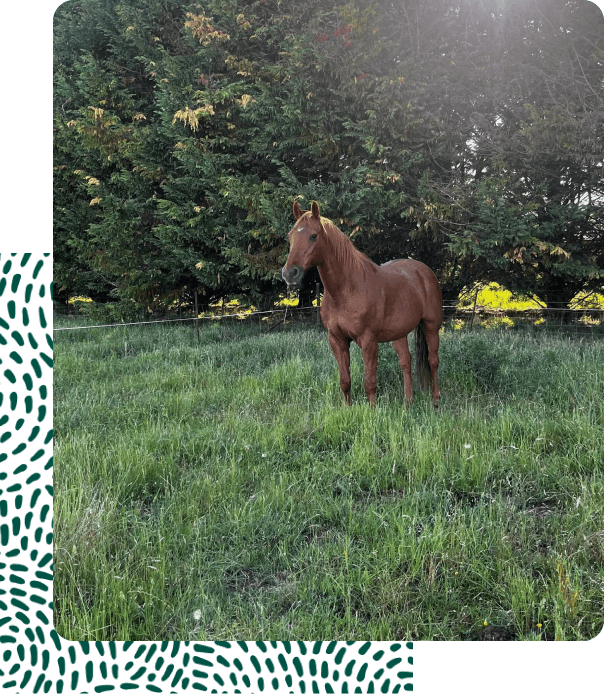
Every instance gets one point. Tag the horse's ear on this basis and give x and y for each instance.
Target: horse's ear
(297, 211)
(315, 210)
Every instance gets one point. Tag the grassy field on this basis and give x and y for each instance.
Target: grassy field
(223, 491)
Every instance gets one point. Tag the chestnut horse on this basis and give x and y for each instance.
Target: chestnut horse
(368, 303)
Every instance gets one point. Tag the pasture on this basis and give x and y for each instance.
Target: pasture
(224, 491)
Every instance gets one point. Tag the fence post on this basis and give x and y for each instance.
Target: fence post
(196, 317)
(474, 309)
(318, 305)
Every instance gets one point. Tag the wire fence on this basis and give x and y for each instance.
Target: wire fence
(585, 311)
(241, 315)
(584, 319)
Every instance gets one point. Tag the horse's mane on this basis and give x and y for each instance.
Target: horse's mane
(345, 253)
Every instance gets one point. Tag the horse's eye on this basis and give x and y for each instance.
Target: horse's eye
(312, 237)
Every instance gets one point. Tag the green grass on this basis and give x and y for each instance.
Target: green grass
(223, 491)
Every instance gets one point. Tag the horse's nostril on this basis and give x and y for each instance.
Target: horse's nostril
(293, 274)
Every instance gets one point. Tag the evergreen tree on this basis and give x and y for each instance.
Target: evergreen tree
(465, 135)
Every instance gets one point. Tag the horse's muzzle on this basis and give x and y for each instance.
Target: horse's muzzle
(293, 276)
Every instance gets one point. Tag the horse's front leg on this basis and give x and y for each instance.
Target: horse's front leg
(340, 346)
(369, 346)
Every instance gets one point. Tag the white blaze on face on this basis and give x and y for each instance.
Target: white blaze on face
(291, 241)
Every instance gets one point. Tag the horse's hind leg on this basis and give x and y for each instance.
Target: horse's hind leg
(432, 339)
(404, 356)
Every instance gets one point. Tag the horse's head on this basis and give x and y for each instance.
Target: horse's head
(307, 241)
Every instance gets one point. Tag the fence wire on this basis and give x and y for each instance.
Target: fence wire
(451, 311)
(239, 315)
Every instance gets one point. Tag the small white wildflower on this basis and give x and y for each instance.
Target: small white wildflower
(264, 455)
(466, 445)
(197, 615)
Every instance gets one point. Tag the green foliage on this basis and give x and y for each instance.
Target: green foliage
(122, 311)
(183, 133)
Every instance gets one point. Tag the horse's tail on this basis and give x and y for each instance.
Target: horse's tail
(422, 367)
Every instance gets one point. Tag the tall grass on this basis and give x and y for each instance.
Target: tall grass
(223, 491)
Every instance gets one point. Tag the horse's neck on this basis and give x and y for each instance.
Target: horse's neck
(333, 283)
(340, 281)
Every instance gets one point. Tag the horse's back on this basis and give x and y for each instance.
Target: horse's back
(411, 269)
(409, 262)
(397, 260)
